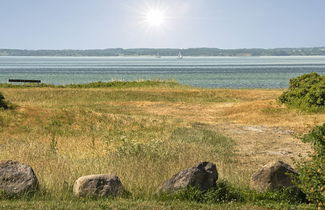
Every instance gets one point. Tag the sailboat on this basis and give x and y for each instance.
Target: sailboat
(158, 56)
(180, 56)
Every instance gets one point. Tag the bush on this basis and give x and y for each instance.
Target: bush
(3, 103)
(306, 92)
(222, 193)
(289, 195)
(311, 179)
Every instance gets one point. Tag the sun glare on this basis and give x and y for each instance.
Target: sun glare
(155, 17)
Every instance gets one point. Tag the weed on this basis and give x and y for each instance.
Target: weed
(54, 129)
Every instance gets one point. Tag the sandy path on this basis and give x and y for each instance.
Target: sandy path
(258, 141)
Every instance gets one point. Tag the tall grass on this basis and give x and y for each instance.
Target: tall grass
(64, 135)
(67, 133)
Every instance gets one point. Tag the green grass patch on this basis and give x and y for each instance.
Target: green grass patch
(222, 193)
(201, 134)
(69, 98)
(112, 84)
(274, 110)
(100, 204)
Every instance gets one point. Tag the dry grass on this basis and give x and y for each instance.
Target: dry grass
(67, 133)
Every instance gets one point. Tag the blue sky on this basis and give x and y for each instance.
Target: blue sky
(98, 24)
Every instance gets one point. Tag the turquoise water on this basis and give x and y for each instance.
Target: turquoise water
(212, 72)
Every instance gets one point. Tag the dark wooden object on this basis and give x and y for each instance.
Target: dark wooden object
(25, 80)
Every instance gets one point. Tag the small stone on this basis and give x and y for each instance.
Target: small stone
(203, 176)
(275, 175)
(99, 185)
(17, 178)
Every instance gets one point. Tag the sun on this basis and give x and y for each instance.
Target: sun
(155, 17)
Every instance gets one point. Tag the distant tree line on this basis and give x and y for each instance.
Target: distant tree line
(168, 52)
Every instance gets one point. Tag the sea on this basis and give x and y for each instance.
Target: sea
(207, 72)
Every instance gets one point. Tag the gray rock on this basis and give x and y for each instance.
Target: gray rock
(99, 185)
(17, 178)
(203, 176)
(273, 176)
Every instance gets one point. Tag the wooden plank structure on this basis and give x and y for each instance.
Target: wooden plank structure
(25, 80)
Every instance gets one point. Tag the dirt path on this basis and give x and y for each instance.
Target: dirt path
(261, 136)
(259, 144)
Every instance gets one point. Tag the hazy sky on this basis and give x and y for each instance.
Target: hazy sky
(98, 24)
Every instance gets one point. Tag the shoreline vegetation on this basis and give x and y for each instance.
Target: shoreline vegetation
(145, 132)
(99, 84)
(311, 51)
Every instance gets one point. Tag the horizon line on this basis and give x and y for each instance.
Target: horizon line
(160, 48)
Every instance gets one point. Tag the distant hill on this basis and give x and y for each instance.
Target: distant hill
(168, 52)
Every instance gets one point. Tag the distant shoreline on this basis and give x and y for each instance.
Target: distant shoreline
(120, 52)
(162, 57)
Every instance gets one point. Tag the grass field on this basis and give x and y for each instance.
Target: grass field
(144, 134)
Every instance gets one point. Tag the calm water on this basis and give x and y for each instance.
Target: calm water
(212, 72)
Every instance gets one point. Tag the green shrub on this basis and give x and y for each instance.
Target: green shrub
(3, 103)
(311, 178)
(222, 193)
(287, 195)
(306, 92)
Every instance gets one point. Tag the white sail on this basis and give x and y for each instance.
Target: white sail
(180, 56)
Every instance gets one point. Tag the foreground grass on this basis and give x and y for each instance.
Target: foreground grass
(118, 204)
(49, 202)
(144, 134)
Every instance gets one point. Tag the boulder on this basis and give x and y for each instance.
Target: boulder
(99, 185)
(17, 178)
(273, 176)
(203, 176)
